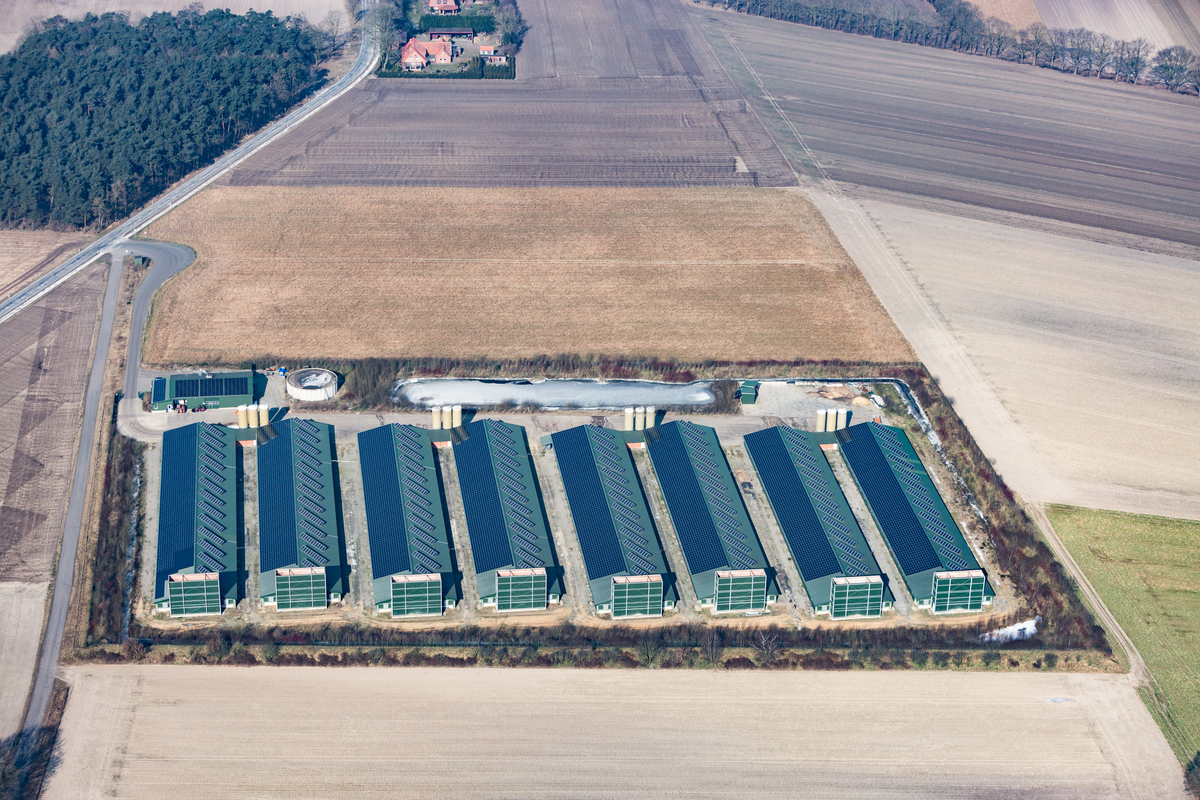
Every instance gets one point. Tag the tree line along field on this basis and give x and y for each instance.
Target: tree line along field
(101, 115)
(728, 274)
(1147, 569)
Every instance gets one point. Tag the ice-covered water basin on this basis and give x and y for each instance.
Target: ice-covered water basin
(552, 393)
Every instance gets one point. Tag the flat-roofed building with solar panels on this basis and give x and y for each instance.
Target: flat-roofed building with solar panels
(514, 561)
(199, 525)
(841, 576)
(211, 390)
(301, 559)
(412, 572)
(938, 566)
(626, 569)
(728, 568)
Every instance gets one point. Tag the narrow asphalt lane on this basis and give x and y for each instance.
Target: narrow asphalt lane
(169, 260)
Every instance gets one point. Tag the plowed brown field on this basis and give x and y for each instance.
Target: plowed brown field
(298, 273)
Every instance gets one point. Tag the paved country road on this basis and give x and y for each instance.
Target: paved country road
(168, 260)
(167, 201)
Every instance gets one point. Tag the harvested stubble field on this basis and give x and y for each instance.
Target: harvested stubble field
(498, 733)
(1147, 569)
(44, 357)
(24, 255)
(728, 274)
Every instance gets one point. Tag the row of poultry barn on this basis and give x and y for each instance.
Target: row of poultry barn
(302, 560)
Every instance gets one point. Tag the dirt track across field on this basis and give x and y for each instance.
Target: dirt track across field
(731, 274)
(261, 732)
(934, 124)
(1076, 379)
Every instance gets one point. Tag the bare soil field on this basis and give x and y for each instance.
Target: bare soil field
(24, 255)
(130, 731)
(607, 94)
(44, 357)
(21, 13)
(922, 122)
(22, 612)
(730, 274)
(1018, 13)
(1093, 350)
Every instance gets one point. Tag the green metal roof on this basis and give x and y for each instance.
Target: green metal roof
(916, 524)
(506, 524)
(612, 523)
(706, 508)
(818, 525)
(298, 520)
(406, 520)
(199, 517)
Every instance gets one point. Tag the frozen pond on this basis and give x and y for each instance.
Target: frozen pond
(553, 393)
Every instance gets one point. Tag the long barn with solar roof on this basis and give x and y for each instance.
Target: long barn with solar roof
(729, 570)
(199, 530)
(841, 576)
(302, 561)
(515, 567)
(412, 565)
(626, 570)
(938, 566)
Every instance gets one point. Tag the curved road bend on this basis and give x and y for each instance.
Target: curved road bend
(168, 260)
(173, 197)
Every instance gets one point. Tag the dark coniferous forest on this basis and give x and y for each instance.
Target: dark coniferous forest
(98, 116)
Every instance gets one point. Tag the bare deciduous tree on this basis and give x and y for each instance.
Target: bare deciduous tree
(710, 643)
(767, 643)
(650, 649)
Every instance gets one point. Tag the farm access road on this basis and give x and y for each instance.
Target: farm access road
(172, 259)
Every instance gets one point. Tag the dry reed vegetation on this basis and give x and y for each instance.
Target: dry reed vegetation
(509, 273)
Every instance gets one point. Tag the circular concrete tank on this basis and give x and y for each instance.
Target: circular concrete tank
(312, 385)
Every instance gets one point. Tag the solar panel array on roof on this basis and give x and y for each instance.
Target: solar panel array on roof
(197, 520)
(500, 499)
(211, 387)
(298, 525)
(709, 518)
(610, 515)
(911, 514)
(406, 523)
(159, 393)
(821, 531)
